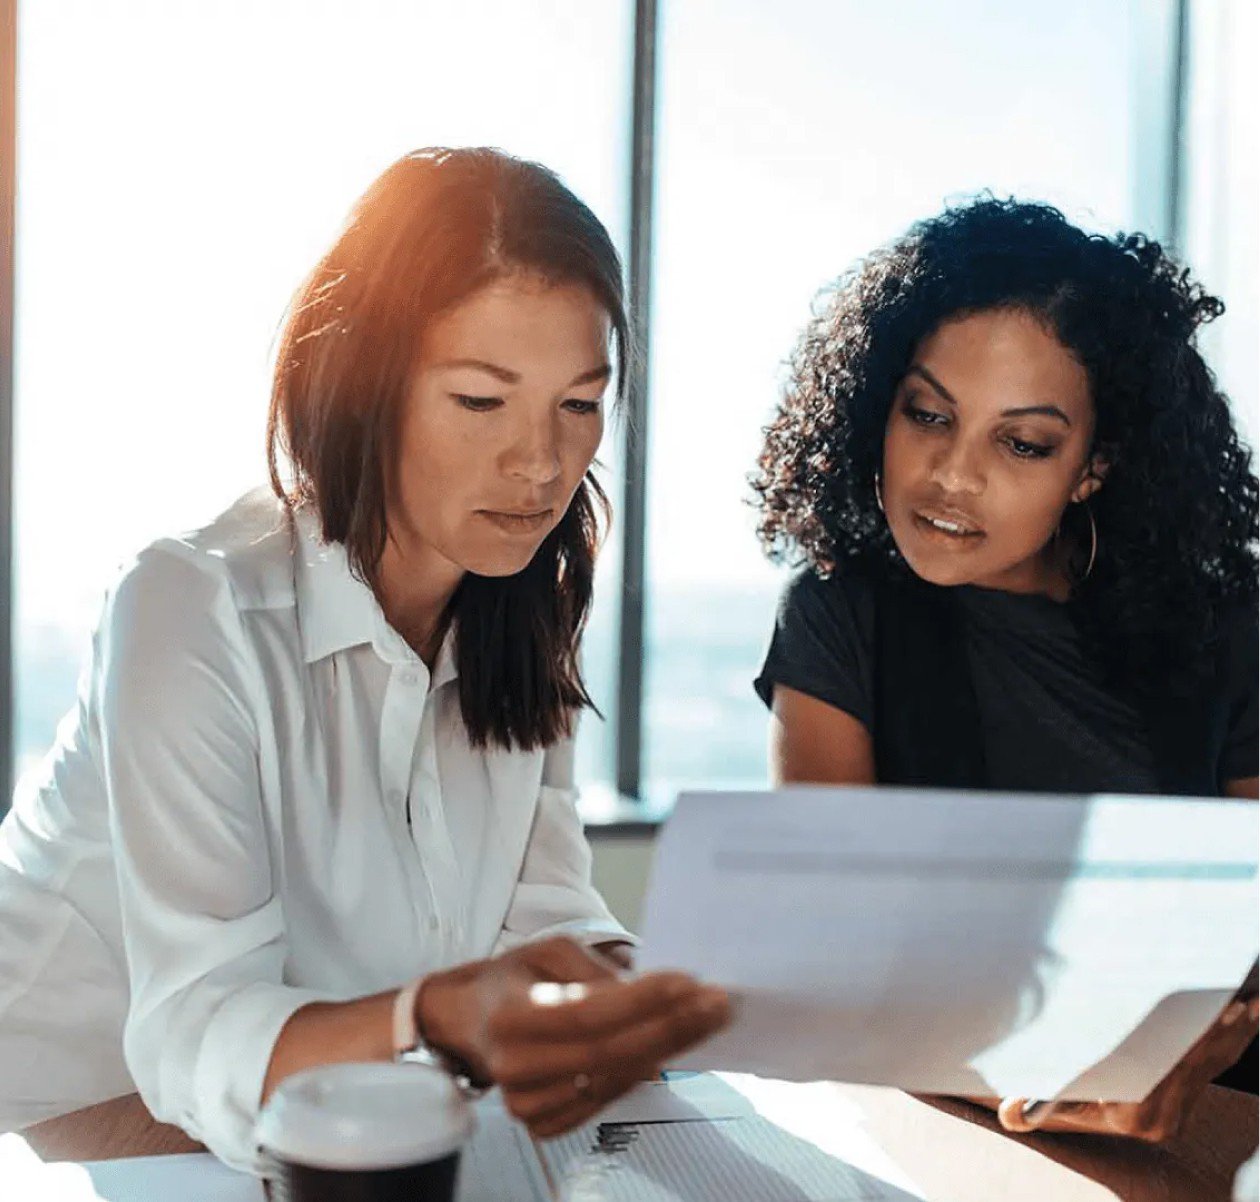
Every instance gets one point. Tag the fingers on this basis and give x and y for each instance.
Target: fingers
(556, 1015)
(1160, 1115)
(1019, 1115)
(562, 1105)
(1025, 1115)
(562, 1101)
(632, 1051)
(1152, 1121)
(1234, 1030)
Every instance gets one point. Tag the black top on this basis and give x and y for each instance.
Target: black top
(976, 688)
(1046, 720)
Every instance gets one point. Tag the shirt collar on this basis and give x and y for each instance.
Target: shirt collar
(336, 610)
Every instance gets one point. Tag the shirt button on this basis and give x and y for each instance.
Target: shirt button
(410, 678)
(433, 922)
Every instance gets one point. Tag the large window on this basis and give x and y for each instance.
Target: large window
(182, 163)
(794, 137)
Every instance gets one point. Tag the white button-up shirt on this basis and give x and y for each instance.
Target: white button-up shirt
(263, 799)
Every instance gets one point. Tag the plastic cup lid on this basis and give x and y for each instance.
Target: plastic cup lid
(365, 1116)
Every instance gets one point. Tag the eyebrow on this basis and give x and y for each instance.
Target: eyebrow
(1022, 411)
(508, 376)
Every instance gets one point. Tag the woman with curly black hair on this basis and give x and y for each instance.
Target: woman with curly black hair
(1027, 527)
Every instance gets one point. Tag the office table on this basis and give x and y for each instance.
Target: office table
(953, 1151)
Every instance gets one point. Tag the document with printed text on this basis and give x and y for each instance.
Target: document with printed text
(960, 942)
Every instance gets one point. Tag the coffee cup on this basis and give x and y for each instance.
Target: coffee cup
(364, 1132)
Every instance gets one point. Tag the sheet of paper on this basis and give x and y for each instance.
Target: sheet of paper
(750, 1159)
(686, 1098)
(961, 943)
(500, 1164)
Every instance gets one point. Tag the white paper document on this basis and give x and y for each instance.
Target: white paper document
(734, 1138)
(953, 942)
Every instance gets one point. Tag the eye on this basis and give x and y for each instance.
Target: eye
(924, 417)
(478, 404)
(582, 407)
(1022, 449)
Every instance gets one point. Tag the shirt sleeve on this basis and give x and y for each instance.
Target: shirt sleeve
(1240, 757)
(818, 648)
(554, 894)
(202, 924)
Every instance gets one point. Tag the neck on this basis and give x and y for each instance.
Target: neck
(1045, 576)
(414, 585)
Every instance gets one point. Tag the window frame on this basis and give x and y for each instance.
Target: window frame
(1161, 44)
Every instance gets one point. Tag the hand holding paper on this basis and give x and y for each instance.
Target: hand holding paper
(962, 943)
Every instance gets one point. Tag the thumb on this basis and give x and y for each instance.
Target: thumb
(1022, 1115)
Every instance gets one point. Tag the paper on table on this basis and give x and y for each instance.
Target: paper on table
(686, 1098)
(961, 943)
(778, 1143)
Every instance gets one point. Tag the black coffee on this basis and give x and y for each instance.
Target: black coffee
(366, 1132)
(430, 1182)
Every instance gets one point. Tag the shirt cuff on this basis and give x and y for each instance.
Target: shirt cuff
(231, 1066)
(586, 931)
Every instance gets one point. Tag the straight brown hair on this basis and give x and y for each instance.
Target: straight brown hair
(436, 227)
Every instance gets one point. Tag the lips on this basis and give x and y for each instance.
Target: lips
(948, 523)
(517, 521)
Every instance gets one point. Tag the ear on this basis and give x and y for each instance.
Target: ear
(1092, 477)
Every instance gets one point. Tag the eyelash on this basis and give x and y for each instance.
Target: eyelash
(1019, 447)
(484, 404)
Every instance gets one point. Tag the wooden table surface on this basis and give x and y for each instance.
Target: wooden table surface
(952, 1151)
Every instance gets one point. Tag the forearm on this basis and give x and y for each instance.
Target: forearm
(332, 1033)
(362, 1029)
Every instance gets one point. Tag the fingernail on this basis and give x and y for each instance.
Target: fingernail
(1253, 1009)
(1232, 1013)
(1036, 1111)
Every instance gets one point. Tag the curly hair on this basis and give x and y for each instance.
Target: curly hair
(1177, 517)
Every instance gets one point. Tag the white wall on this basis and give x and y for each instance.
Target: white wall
(620, 872)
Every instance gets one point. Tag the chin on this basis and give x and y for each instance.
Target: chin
(499, 563)
(946, 575)
(947, 571)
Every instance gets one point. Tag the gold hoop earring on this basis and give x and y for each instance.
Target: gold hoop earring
(1093, 541)
(879, 496)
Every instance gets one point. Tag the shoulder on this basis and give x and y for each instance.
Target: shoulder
(847, 593)
(823, 641)
(243, 558)
(190, 597)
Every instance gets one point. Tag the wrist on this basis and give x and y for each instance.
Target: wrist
(436, 1009)
(441, 1008)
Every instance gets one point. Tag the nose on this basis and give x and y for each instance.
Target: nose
(956, 470)
(534, 454)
